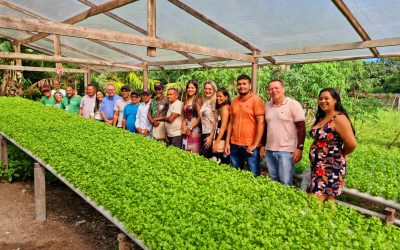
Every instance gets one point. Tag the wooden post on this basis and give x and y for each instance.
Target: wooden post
(151, 25)
(57, 49)
(87, 78)
(124, 242)
(254, 68)
(17, 49)
(4, 152)
(390, 212)
(40, 192)
(146, 78)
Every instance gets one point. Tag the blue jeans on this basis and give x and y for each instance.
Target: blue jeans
(280, 166)
(239, 156)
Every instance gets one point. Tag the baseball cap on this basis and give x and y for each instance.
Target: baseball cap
(126, 87)
(159, 85)
(146, 91)
(45, 89)
(135, 92)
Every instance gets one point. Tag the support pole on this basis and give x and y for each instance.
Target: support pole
(151, 25)
(146, 78)
(254, 68)
(57, 49)
(87, 78)
(40, 192)
(4, 152)
(17, 49)
(124, 242)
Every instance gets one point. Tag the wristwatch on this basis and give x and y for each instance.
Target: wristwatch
(300, 146)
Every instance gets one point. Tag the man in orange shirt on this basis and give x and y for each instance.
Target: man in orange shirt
(245, 127)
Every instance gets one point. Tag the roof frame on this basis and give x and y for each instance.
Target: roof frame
(354, 23)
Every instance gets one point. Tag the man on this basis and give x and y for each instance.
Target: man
(245, 127)
(47, 99)
(120, 105)
(285, 133)
(157, 110)
(71, 101)
(173, 119)
(88, 102)
(143, 125)
(130, 111)
(57, 88)
(108, 104)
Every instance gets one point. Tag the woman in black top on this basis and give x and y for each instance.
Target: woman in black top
(222, 109)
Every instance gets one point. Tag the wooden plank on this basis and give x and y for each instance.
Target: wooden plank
(4, 152)
(34, 25)
(333, 47)
(40, 69)
(40, 192)
(33, 57)
(83, 15)
(254, 69)
(151, 25)
(354, 23)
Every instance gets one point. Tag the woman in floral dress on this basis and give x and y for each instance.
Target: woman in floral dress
(334, 139)
(191, 130)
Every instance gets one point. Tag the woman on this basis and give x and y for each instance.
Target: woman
(222, 110)
(191, 120)
(334, 139)
(58, 100)
(208, 118)
(96, 111)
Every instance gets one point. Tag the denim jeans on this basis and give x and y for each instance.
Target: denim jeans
(280, 166)
(239, 156)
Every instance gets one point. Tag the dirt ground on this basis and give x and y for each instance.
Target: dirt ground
(71, 222)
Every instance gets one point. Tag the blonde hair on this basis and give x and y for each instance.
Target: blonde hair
(213, 98)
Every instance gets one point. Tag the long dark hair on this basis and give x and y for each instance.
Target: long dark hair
(194, 103)
(225, 92)
(338, 107)
(97, 103)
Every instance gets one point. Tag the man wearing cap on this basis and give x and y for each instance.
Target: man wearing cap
(157, 111)
(71, 101)
(57, 88)
(47, 99)
(143, 125)
(130, 111)
(108, 103)
(120, 105)
(88, 101)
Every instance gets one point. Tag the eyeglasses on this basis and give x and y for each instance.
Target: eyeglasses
(110, 90)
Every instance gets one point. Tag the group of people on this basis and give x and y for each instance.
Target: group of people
(238, 132)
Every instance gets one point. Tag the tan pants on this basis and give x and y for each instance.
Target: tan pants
(159, 132)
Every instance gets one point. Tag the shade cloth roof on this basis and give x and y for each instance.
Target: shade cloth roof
(268, 29)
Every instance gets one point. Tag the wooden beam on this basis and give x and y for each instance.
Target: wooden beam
(40, 192)
(137, 28)
(57, 48)
(333, 47)
(188, 61)
(151, 25)
(354, 23)
(83, 15)
(40, 69)
(60, 59)
(145, 78)
(18, 23)
(118, 50)
(217, 27)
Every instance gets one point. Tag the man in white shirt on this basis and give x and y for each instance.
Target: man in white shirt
(142, 124)
(173, 120)
(88, 102)
(57, 88)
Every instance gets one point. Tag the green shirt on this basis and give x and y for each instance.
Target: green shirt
(48, 102)
(72, 104)
(59, 105)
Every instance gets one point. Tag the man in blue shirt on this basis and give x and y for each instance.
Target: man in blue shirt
(107, 106)
(130, 111)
